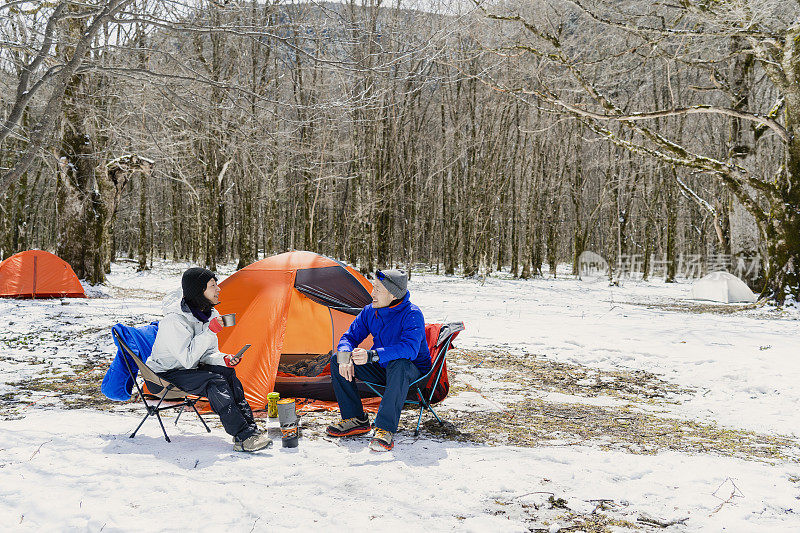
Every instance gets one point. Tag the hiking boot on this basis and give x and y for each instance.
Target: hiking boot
(382, 441)
(349, 426)
(253, 443)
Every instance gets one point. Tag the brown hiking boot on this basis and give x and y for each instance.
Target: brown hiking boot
(349, 426)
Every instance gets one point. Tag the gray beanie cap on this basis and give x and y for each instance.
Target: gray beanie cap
(395, 281)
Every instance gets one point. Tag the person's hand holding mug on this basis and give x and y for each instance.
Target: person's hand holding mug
(215, 324)
(347, 370)
(360, 356)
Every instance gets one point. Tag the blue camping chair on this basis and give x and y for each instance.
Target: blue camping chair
(427, 390)
(157, 388)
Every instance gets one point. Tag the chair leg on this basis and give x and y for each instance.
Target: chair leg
(158, 415)
(201, 418)
(140, 424)
(150, 412)
(180, 412)
(419, 419)
(428, 406)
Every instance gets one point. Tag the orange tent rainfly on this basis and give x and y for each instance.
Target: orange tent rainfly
(291, 308)
(38, 274)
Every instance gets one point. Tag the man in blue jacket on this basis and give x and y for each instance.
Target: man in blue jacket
(399, 355)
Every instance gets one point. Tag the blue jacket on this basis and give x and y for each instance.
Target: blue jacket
(117, 383)
(398, 332)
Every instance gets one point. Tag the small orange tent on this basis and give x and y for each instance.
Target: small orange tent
(289, 307)
(38, 274)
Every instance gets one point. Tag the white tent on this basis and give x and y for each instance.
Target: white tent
(722, 287)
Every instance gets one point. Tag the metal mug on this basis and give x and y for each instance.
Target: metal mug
(287, 413)
(343, 358)
(228, 320)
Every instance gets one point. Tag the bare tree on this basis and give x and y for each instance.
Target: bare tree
(762, 33)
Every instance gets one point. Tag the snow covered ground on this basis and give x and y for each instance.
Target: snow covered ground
(746, 366)
(65, 468)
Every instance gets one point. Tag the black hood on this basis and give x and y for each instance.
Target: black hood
(194, 283)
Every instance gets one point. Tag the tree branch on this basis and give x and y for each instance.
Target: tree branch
(24, 92)
(45, 124)
(762, 120)
(739, 32)
(734, 174)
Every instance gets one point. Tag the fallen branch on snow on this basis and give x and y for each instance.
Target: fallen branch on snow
(38, 449)
(660, 523)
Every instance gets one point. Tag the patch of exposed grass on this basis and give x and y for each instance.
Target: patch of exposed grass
(76, 390)
(543, 423)
(542, 374)
(137, 294)
(533, 421)
(540, 516)
(699, 307)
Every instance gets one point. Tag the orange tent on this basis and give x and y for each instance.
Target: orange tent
(38, 274)
(289, 307)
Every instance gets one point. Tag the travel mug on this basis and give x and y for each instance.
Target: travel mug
(286, 411)
(343, 357)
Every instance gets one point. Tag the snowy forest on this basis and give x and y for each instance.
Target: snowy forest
(518, 266)
(465, 137)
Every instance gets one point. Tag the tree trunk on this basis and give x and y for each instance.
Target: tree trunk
(672, 223)
(178, 235)
(744, 231)
(782, 228)
(514, 231)
(247, 226)
(19, 221)
(81, 210)
(552, 244)
(208, 224)
(648, 249)
(450, 227)
(142, 247)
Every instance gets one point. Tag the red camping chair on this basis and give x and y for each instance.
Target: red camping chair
(433, 387)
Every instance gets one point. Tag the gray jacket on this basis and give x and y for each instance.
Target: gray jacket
(183, 341)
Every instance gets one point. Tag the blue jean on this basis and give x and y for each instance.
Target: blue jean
(396, 377)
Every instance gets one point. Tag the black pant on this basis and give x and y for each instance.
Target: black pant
(224, 392)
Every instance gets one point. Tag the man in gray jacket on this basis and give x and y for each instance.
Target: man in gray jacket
(186, 353)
